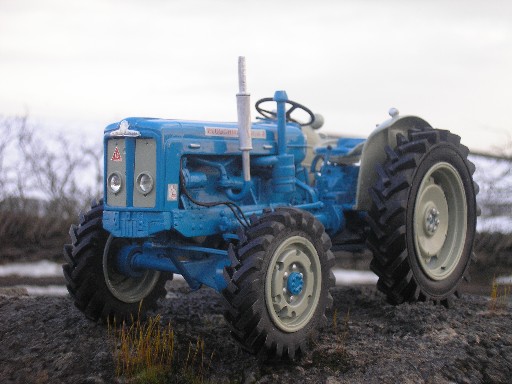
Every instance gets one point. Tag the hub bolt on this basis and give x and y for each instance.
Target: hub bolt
(432, 220)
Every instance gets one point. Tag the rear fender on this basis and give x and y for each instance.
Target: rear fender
(374, 153)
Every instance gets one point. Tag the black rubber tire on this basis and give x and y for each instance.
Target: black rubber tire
(85, 279)
(247, 313)
(392, 237)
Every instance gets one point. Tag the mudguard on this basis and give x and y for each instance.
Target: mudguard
(374, 152)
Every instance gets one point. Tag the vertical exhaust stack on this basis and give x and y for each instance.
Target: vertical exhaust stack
(244, 119)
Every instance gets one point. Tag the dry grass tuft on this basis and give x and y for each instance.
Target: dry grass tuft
(195, 369)
(146, 352)
(143, 349)
(340, 337)
(499, 296)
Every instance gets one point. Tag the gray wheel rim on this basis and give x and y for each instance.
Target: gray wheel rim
(291, 312)
(440, 221)
(125, 288)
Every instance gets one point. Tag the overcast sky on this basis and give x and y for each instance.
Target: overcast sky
(80, 65)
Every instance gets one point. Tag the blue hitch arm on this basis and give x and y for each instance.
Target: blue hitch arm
(207, 269)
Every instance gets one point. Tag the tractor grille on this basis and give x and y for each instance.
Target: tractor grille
(133, 161)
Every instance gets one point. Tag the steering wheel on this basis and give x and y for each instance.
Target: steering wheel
(294, 106)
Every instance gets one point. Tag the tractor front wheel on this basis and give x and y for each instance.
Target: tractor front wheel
(278, 284)
(93, 281)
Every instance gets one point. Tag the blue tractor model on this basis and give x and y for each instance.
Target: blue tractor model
(234, 207)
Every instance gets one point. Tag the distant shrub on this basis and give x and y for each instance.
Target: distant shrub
(45, 182)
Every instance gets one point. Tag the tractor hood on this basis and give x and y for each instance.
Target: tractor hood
(165, 129)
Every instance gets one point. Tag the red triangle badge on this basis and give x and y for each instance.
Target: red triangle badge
(116, 156)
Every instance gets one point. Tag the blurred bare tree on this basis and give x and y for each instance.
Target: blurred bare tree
(44, 180)
(494, 176)
(52, 171)
(7, 137)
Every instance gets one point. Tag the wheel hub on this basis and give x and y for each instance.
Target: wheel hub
(440, 221)
(432, 220)
(295, 283)
(432, 234)
(131, 286)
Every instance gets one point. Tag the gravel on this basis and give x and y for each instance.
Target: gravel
(48, 340)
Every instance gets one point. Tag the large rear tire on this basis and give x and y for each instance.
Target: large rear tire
(94, 283)
(278, 283)
(423, 218)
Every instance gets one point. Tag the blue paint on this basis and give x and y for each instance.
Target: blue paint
(198, 265)
(281, 98)
(295, 283)
(136, 222)
(208, 156)
(338, 185)
(124, 261)
(242, 194)
(283, 176)
(343, 147)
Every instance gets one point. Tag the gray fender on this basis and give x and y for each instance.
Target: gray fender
(374, 153)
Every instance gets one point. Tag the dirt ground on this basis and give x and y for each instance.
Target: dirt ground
(47, 340)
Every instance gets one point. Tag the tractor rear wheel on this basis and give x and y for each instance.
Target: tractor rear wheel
(278, 283)
(423, 218)
(94, 283)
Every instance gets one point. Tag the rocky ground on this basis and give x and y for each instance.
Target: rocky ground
(47, 340)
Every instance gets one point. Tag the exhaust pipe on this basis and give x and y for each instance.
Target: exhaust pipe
(244, 119)
(243, 101)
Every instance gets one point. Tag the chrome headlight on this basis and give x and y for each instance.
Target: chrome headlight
(115, 182)
(144, 183)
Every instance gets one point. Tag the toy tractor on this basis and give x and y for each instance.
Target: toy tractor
(231, 206)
